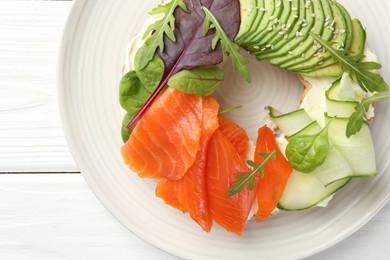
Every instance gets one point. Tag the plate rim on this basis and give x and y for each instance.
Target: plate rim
(69, 30)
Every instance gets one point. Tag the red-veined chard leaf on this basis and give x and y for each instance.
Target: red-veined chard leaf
(193, 46)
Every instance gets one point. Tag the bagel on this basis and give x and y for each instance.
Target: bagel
(281, 35)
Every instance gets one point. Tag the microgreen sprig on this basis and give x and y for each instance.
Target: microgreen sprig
(157, 30)
(250, 177)
(228, 47)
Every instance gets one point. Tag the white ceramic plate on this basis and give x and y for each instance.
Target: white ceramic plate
(90, 66)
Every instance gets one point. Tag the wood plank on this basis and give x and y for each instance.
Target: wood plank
(31, 136)
(58, 217)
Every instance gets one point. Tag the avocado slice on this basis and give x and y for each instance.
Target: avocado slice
(340, 39)
(327, 35)
(265, 10)
(267, 24)
(280, 19)
(248, 12)
(358, 45)
(302, 42)
(298, 14)
(283, 29)
(251, 12)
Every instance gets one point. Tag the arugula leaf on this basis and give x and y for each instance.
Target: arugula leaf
(360, 71)
(250, 177)
(305, 153)
(157, 30)
(229, 47)
(202, 81)
(357, 119)
(192, 47)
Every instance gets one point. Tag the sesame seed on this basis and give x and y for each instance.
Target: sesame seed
(320, 63)
(291, 53)
(336, 31)
(342, 44)
(313, 15)
(263, 49)
(285, 36)
(327, 19)
(272, 47)
(342, 30)
(294, 9)
(295, 16)
(269, 29)
(271, 17)
(326, 23)
(288, 25)
(303, 55)
(304, 24)
(331, 28)
(334, 20)
(282, 32)
(268, 45)
(279, 4)
(313, 29)
(262, 9)
(256, 47)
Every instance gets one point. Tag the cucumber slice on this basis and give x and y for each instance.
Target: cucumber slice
(304, 191)
(290, 123)
(337, 102)
(358, 150)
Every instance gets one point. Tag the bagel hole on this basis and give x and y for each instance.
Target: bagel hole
(269, 86)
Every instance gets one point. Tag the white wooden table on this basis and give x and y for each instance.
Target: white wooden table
(47, 210)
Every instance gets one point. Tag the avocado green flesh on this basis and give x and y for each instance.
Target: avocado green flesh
(358, 44)
(272, 29)
(314, 24)
(284, 53)
(280, 17)
(250, 14)
(261, 21)
(340, 40)
(247, 14)
(298, 14)
(327, 35)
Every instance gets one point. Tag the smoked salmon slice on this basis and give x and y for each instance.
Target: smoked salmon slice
(276, 173)
(166, 140)
(189, 193)
(235, 134)
(223, 163)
